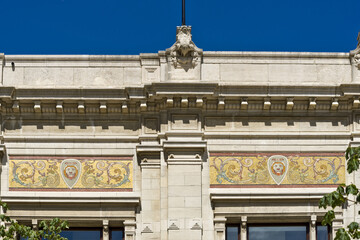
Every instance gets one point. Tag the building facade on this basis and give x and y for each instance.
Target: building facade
(179, 144)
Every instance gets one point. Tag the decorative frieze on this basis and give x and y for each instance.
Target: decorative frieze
(48, 173)
(276, 169)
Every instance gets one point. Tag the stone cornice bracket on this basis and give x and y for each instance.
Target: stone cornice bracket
(184, 52)
(267, 103)
(16, 107)
(103, 107)
(334, 104)
(81, 107)
(244, 104)
(312, 103)
(59, 107)
(356, 102)
(355, 54)
(37, 107)
(289, 104)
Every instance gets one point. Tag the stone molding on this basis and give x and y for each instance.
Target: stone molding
(157, 97)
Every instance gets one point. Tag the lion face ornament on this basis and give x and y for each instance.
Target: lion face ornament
(70, 171)
(278, 166)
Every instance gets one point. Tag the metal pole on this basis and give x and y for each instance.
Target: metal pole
(183, 12)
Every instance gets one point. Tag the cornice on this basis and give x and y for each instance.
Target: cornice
(161, 96)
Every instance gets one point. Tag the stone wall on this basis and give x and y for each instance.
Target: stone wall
(192, 136)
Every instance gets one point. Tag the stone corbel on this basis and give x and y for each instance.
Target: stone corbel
(103, 107)
(312, 103)
(59, 107)
(356, 102)
(16, 106)
(124, 108)
(81, 107)
(143, 106)
(267, 103)
(289, 104)
(244, 104)
(221, 103)
(184, 102)
(334, 104)
(199, 102)
(37, 107)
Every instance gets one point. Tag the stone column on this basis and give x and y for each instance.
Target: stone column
(243, 227)
(220, 228)
(105, 230)
(313, 227)
(129, 227)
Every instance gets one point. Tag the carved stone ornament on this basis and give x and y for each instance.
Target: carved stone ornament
(184, 51)
(356, 53)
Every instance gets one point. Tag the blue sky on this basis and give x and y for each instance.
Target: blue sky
(135, 26)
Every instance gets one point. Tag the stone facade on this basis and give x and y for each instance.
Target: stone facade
(177, 144)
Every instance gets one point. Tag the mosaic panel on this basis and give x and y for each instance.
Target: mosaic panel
(266, 169)
(70, 173)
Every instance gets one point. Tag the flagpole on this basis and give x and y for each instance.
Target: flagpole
(183, 12)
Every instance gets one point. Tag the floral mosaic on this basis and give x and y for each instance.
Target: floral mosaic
(276, 169)
(70, 173)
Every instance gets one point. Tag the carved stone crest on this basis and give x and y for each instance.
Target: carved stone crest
(356, 53)
(70, 171)
(278, 166)
(184, 52)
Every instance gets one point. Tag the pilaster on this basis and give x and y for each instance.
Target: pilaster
(220, 228)
(184, 157)
(129, 227)
(149, 157)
